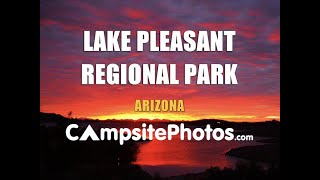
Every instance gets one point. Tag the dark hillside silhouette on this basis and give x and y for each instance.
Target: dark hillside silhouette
(64, 159)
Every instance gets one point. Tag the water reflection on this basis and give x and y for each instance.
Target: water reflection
(178, 157)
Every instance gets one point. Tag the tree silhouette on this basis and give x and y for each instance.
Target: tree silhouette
(70, 114)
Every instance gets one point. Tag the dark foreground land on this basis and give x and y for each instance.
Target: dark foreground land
(82, 160)
(267, 153)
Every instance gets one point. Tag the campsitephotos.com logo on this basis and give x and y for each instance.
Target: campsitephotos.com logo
(160, 134)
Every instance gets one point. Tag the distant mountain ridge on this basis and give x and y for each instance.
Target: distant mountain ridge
(265, 128)
(53, 117)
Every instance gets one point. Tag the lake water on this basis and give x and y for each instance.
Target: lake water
(176, 157)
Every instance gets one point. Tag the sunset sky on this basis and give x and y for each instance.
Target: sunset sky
(256, 51)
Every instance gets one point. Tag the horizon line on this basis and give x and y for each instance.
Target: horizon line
(156, 119)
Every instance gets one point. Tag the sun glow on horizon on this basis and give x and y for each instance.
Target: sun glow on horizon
(176, 116)
(273, 117)
(151, 116)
